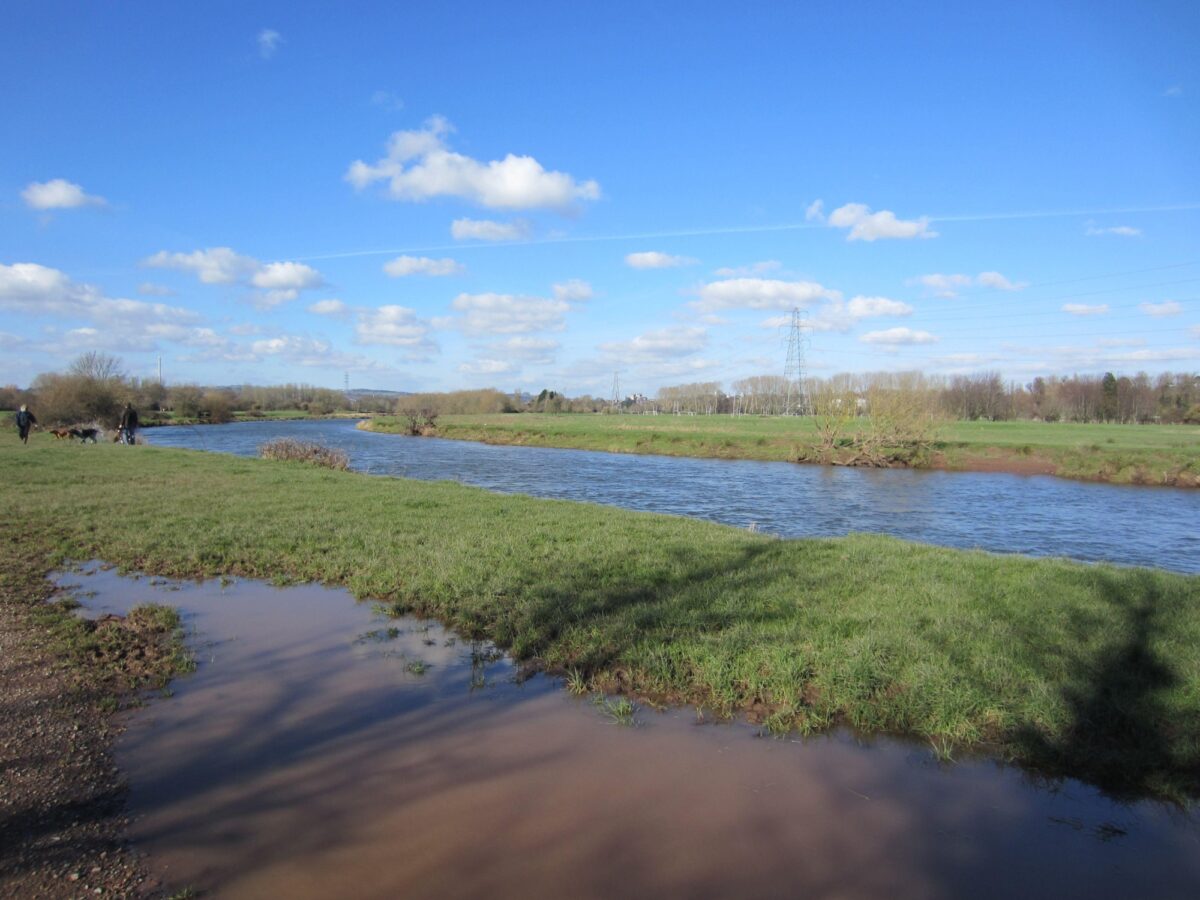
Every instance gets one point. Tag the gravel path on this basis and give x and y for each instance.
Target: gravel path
(61, 799)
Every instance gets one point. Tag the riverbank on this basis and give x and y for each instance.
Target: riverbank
(1068, 669)
(1119, 454)
(62, 822)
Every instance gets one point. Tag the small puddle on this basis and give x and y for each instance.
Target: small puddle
(323, 750)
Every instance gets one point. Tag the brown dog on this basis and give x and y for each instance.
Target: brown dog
(60, 434)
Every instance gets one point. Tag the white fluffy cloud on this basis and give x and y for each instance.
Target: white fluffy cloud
(652, 259)
(1168, 308)
(328, 308)
(312, 353)
(58, 193)
(403, 266)
(286, 276)
(761, 293)
(216, 265)
(420, 166)
(480, 314)
(865, 225)
(487, 230)
(574, 291)
(277, 282)
(1083, 309)
(655, 346)
(394, 326)
(837, 315)
(895, 337)
(948, 286)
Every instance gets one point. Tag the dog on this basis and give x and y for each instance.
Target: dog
(60, 434)
(85, 434)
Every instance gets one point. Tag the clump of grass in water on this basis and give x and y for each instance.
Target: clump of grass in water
(417, 667)
(304, 451)
(620, 711)
(576, 682)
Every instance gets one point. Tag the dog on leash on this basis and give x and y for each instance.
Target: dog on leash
(85, 434)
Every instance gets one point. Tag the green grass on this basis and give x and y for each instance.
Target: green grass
(1130, 454)
(1091, 671)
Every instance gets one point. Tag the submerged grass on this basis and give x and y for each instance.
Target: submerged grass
(1072, 669)
(1126, 454)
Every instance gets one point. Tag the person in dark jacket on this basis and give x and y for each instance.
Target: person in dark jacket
(25, 421)
(129, 424)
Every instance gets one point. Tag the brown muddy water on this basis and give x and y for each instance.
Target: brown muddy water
(309, 756)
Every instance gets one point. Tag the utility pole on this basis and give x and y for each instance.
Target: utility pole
(793, 370)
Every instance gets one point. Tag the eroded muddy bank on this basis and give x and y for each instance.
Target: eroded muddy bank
(320, 750)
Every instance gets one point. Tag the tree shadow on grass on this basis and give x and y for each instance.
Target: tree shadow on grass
(1121, 737)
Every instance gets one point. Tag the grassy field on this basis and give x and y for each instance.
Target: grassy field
(1090, 671)
(1127, 454)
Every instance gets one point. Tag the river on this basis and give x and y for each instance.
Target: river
(1035, 515)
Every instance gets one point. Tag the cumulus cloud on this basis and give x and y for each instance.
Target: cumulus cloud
(268, 42)
(837, 315)
(216, 265)
(654, 346)
(1083, 309)
(1093, 230)
(948, 286)
(328, 308)
(487, 230)
(865, 225)
(574, 291)
(313, 353)
(58, 193)
(286, 276)
(487, 367)
(394, 326)
(750, 271)
(109, 322)
(1158, 310)
(277, 282)
(760, 293)
(403, 266)
(489, 313)
(652, 259)
(815, 211)
(895, 337)
(420, 166)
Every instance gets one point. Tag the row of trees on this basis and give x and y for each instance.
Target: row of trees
(1169, 397)
(94, 388)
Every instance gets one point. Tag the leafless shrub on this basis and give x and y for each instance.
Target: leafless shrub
(303, 451)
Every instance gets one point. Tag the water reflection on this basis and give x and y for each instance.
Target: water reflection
(297, 763)
(1036, 515)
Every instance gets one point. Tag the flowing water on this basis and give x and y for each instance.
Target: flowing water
(311, 756)
(1037, 515)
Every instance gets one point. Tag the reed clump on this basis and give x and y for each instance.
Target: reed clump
(305, 451)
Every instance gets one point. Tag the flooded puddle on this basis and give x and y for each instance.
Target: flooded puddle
(322, 750)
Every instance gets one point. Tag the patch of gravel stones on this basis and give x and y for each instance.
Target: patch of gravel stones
(62, 822)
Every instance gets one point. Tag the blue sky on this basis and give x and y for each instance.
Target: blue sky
(444, 196)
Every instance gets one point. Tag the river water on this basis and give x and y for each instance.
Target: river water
(1037, 515)
(309, 756)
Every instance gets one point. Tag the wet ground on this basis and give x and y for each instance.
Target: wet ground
(322, 750)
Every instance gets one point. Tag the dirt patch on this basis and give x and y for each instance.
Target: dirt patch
(1010, 464)
(62, 800)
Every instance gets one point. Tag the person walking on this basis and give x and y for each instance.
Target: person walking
(25, 421)
(129, 424)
